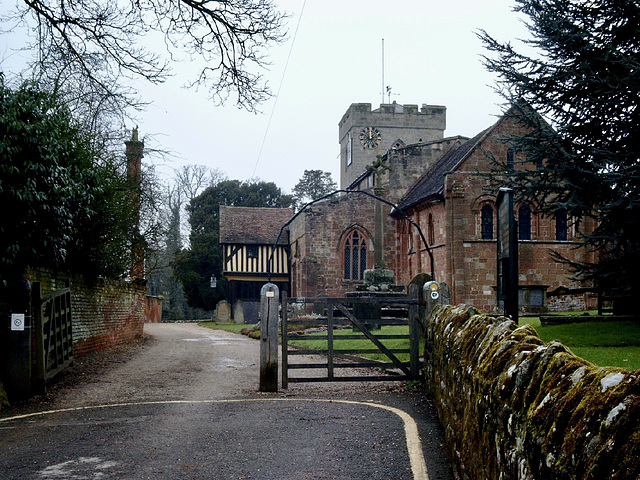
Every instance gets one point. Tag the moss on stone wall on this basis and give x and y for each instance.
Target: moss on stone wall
(514, 407)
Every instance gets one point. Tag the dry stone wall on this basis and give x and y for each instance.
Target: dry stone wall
(514, 407)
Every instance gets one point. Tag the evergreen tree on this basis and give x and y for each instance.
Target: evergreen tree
(576, 92)
(313, 185)
(66, 205)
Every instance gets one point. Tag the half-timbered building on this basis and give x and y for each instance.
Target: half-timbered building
(247, 238)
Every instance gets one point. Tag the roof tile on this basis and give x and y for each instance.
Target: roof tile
(253, 225)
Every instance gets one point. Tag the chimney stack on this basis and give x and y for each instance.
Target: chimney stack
(134, 153)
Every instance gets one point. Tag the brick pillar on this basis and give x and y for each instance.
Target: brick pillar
(134, 152)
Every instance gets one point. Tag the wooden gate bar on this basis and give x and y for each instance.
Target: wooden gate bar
(346, 351)
(371, 364)
(302, 338)
(371, 337)
(330, 344)
(360, 378)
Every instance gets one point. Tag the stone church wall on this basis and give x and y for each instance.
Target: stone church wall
(316, 254)
(317, 244)
(513, 407)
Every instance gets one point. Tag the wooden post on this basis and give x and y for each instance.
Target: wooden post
(330, 341)
(507, 254)
(285, 342)
(269, 305)
(38, 378)
(414, 333)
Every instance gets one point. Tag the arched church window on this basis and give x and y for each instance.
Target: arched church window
(510, 159)
(524, 222)
(562, 224)
(355, 256)
(486, 222)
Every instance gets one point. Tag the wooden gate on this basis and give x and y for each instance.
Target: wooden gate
(53, 335)
(366, 316)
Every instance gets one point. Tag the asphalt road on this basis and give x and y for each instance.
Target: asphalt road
(186, 406)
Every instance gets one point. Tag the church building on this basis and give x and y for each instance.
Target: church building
(437, 182)
(440, 184)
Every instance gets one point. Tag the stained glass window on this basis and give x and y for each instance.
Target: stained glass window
(355, 256)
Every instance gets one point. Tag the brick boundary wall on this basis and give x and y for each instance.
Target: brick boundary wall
(105, 313)
(513, 407)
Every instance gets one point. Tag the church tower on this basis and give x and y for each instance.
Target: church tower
(366, 133)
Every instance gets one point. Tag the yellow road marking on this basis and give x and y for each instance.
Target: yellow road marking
(414, 445)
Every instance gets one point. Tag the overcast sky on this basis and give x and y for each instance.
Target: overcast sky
(431, 55)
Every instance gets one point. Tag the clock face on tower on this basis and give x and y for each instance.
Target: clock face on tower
(370, 137)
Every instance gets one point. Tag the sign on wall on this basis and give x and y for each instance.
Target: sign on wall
(17, 321)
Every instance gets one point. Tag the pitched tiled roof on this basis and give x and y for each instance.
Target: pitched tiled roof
(432, 182)
(253, 225)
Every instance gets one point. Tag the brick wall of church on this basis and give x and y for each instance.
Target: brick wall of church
(413, 257)
(463, 259)
(476, 267)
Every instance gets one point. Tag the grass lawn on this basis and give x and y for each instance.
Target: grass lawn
(610, 344)
(229, 327)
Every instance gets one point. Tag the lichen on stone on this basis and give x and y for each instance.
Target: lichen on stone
(514, 407)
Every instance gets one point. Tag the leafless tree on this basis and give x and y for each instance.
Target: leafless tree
(190, 181)
(97, 46)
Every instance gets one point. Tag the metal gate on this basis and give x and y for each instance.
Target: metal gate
(366, 316)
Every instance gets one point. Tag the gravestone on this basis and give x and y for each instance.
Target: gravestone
(238, 312)
(223, 312)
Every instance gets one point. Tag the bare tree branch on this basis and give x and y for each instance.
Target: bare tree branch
(102, 43)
